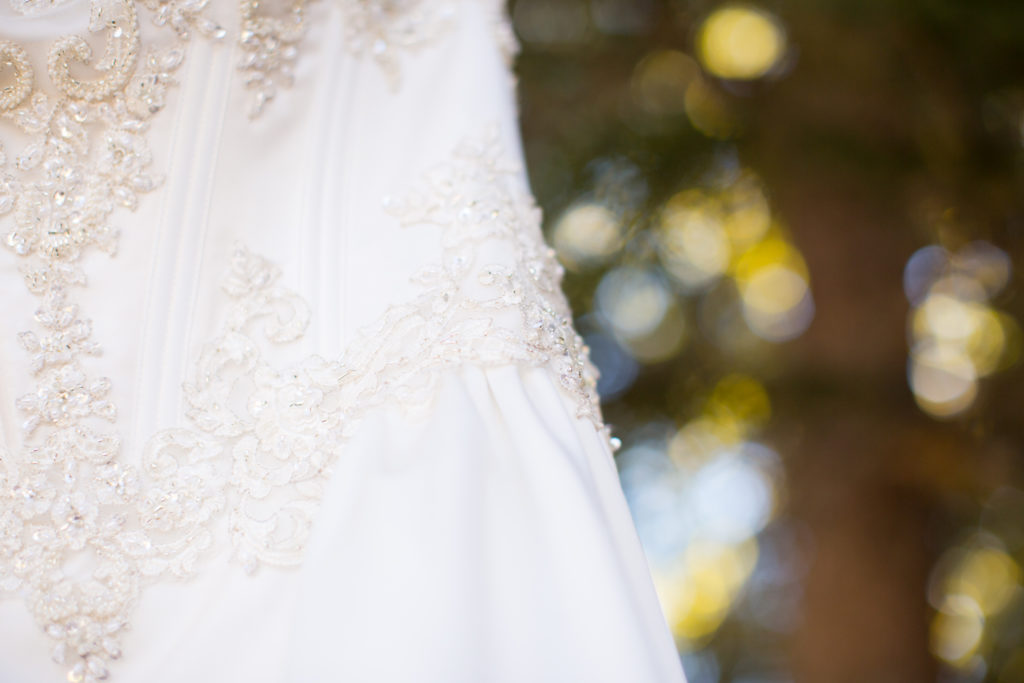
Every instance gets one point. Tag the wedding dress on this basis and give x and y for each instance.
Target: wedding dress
(288, 388)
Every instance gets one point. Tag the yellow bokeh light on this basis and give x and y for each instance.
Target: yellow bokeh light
(774, 290)
(675, 593)
(948, 318)
(777, 303)
(961, 287)
(704, 235)
(642, 312)
(697, 596)
(987, 341)
(708, 111)
(943, 379)
(740, 42)
(708, 605)
(660, 80)
(747, 216)
(988, 576)
(986, 264)
(634, 301)
(740, 398)
(737, 405)
(771, 251)
(958, 337)
(773, 284)
(956, 629)
(700, 439)
(665, 341)
(587, 233)
(692, 242)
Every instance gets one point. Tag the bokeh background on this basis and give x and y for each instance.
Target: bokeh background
(790, 231)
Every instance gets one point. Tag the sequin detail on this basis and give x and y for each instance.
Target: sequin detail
(67, 505)
(383, 30)
(14, 59)
(379, 28)
(492, 299)
(81, 532)
(269, 50)
(495, 296)
(185, 16)
(250, 469)
(30, 7)
(387, 29)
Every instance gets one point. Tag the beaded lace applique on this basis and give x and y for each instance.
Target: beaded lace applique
(264, 438)
(253, 465)
(269, 49)
(270, 45)
(81, 533)
(66, 502)
(29, 7)
(380, 29)
(383, 29)
(495, 297)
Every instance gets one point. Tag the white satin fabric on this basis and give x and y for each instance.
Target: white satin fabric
(486, 540)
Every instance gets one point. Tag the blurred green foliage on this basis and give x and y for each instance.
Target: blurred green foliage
(894, 548)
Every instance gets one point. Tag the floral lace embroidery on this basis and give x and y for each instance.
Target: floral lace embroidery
(496, 295)
(253, 468)
(184, 16)
(494, 298)
(29, 7)
(64, 529)
(81, 533)
(269, 50)
(381, 29)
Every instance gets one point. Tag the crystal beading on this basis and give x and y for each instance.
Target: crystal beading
(118, 18)
(249, 476)
(13, 57)
(269, 49)
(383, 30)
(30, 7)
(66, 500)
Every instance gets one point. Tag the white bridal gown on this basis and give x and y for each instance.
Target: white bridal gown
(288, 389)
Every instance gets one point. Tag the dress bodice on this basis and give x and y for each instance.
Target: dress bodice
(229, 232)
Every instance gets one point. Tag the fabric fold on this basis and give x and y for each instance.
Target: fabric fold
(486, 541)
